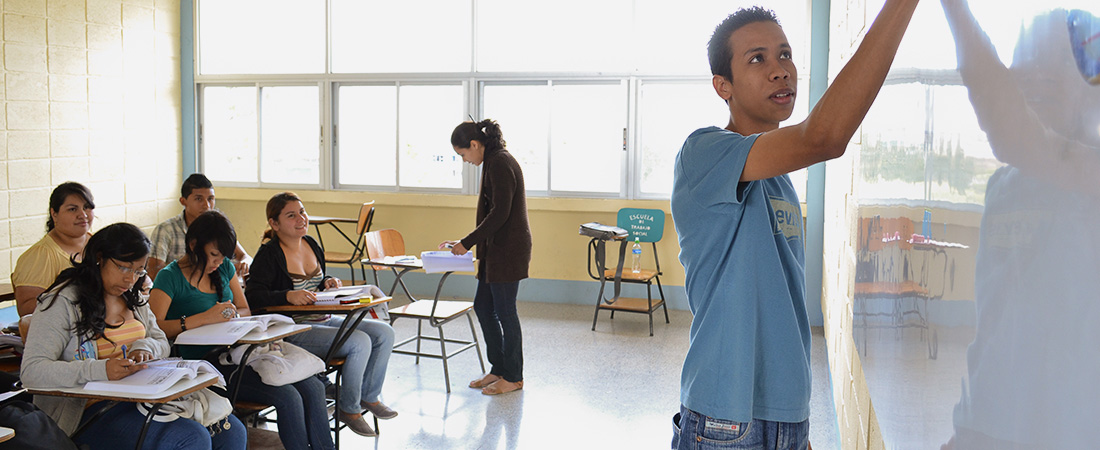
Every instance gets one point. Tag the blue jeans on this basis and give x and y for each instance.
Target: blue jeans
(300, 407)
(696, 431)
(118, 429)
(366, 352)
(495, 306)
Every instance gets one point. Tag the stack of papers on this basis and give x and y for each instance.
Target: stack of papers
(445, 261)
(349, 295)
(403, 259)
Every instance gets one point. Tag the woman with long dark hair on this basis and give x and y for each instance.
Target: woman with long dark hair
(288, 269)
(503, 240)
(201, 287)
(80, 328)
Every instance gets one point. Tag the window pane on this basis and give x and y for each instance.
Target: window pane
(961, 160)
(892, 157)
(568, 35)
(229, 148)
(261, 36)
(290, 135)
(586, 144)
(367, 136)
(426, 117)
(667, 114)
(523, 113)
(674, 40)
(400, 36)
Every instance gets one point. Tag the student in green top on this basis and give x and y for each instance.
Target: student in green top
(202, 288)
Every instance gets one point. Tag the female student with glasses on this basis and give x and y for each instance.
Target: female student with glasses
(81, 326)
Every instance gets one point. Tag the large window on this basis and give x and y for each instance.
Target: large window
(269, 134)
(345, 94)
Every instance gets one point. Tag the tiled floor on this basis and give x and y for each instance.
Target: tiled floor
(613, 388)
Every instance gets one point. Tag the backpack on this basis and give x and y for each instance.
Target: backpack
(34, 430)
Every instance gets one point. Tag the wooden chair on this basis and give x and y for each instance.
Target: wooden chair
(647, 225)
(434, 312)
(358, 250)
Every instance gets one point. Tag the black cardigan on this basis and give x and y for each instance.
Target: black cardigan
(268, 279)
(503, 234)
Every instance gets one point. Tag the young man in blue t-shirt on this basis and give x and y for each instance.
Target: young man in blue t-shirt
(746, 377)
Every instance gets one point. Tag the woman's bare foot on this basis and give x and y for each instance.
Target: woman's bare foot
(502, 386)
(485, 380)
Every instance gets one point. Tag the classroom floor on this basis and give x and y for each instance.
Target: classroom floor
(615, 387)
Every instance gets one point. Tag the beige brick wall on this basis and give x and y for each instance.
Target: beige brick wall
(91, 93)
(858, 426)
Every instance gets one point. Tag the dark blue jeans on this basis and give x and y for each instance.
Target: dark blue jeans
(495, 305)
(119, 428)
(302, 416)
(695, 431)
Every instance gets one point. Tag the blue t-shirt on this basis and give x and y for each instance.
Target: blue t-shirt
(741, 246)
(189, 300)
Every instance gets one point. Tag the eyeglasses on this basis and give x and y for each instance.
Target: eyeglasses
(128, 271)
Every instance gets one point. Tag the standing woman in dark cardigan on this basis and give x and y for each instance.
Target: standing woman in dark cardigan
(503, 240)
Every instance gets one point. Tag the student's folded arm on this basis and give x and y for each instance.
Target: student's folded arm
(26, 299)
(239, 299)
(159, 302)
(834, 120)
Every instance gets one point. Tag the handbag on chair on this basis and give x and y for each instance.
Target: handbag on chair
(278, 363)
(600, 234)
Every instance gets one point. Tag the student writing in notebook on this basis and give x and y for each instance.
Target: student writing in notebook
(201, 287)
(288, 269)
(79, 328)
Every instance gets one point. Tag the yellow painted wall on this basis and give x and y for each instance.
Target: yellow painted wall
(426, 220)
(90, 93)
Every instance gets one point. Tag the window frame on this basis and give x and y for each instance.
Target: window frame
(322, 148)
(473, 83)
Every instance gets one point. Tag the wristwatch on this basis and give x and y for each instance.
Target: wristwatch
(183, 323)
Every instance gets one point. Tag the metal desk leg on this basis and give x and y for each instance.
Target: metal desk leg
(238, 375)
(148, 420)
(95, 417)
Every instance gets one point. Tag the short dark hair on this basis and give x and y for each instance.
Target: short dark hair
(718, 49)
(195, 181)
(62, 192)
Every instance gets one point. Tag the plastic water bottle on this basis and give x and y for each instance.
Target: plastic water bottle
(636, 253)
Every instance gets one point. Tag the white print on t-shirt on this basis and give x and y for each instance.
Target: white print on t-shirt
(786, 218)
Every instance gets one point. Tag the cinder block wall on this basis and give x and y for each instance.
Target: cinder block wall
(91, 93)
(856, 420)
